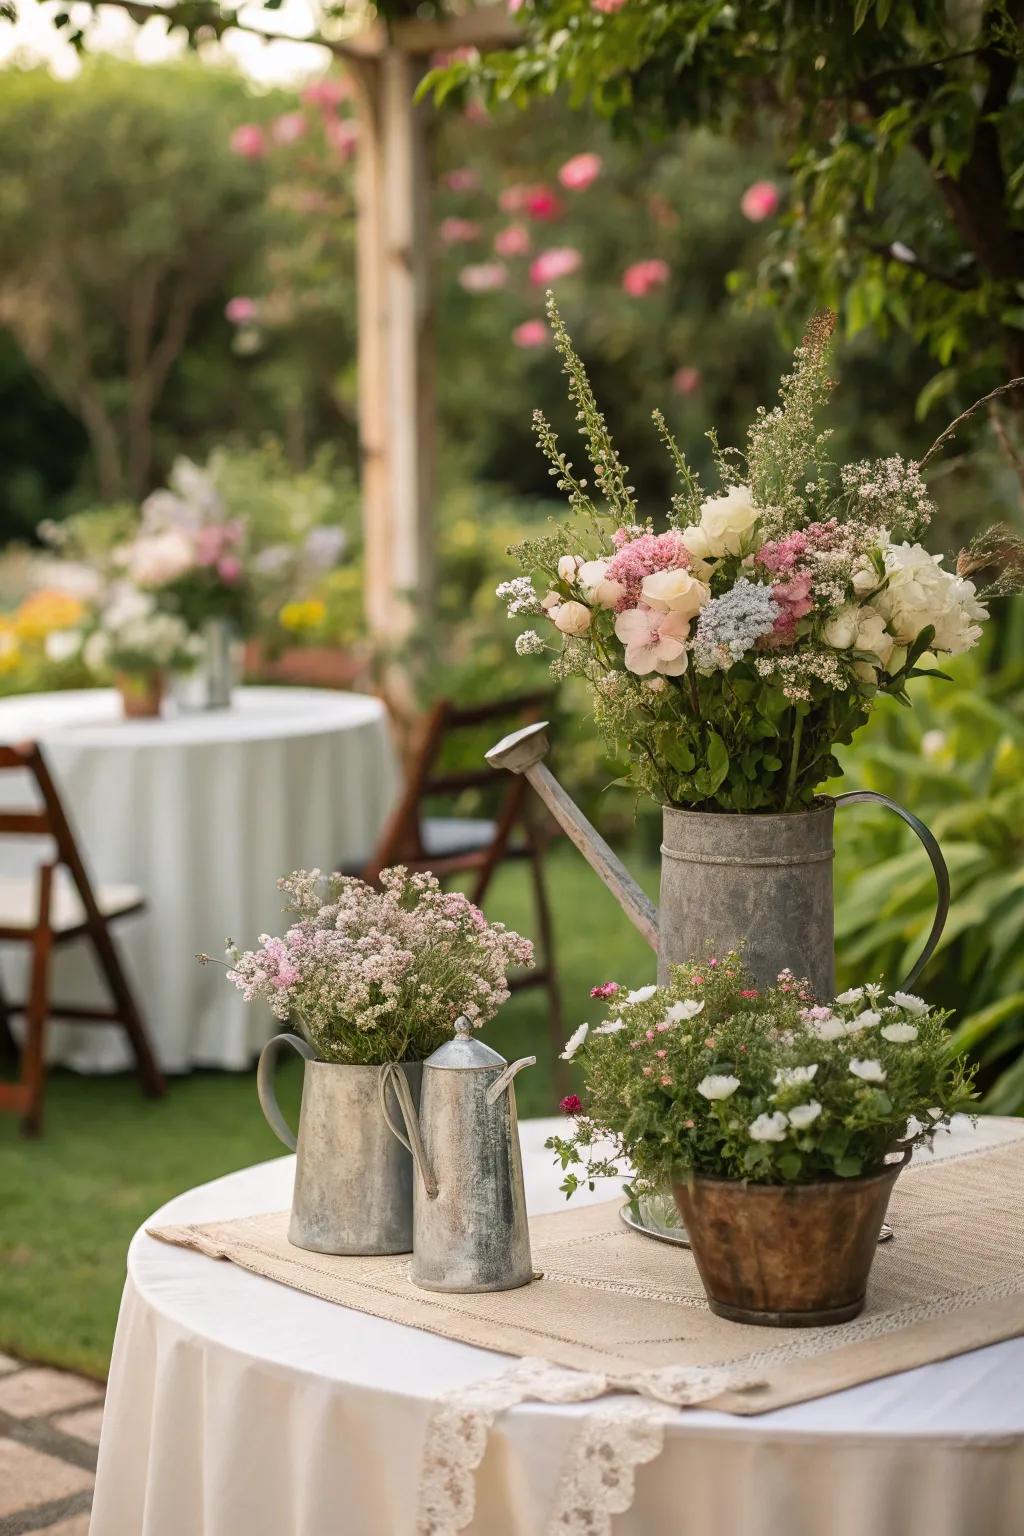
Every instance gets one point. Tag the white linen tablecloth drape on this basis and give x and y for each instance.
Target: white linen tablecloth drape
(237, 1407)
(204, 812)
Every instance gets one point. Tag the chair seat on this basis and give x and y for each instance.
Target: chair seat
(19, 901)
(444, 837)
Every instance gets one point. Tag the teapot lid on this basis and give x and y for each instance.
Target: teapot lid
(464, 1051)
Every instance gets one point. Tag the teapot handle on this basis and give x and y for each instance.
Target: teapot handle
(501, 1082)
(391, 1075)
(939, 869)
(265, 1073)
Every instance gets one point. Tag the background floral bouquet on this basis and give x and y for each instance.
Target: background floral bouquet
(710, 1075)
(374, 976)
(728, 653)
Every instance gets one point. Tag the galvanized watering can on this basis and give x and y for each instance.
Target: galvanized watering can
(763, 881)
(353, 1182)
(469, 1207)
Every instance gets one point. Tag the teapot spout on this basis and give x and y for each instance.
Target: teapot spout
(523, 752)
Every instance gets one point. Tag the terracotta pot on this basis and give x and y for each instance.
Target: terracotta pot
(785, 1255)
(142, 694)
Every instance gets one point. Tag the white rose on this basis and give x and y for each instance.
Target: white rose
(864, 576)
(916, 1006)
(571, 618)
(675, 592)
(550, 601)
(574, 1042)
(769, 1127)
(158, 558)
(841, 630)
(726, 523)
(719, 1086)
(899, 1034)
(568, 565)
(872, 634)
(919, 593)
(803, 1115)
(592, 577)
(641, 994)
(868, 1071)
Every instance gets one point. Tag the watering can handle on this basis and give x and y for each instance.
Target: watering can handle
(939, 869)
(265, 1073)
(392, 1075)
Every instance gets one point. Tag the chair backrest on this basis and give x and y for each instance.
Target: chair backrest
(50, 820)
(427, 778)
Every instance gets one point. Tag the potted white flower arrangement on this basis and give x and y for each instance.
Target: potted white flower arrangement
(368, 977)
(779, 1124)
(129, 636)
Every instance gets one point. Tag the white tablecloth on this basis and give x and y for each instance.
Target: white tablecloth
(204, 812)
(238, 1407)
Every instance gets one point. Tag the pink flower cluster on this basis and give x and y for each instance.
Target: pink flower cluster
(379, 975)
(606, 989)
(644, 276)
(638, 558)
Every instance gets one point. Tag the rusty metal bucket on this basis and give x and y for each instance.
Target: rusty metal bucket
(785, 1255)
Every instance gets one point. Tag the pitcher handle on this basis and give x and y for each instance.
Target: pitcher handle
(939, 870)
(265, 1074)
(392, 1075)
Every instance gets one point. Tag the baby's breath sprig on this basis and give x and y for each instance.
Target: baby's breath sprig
(685, 503)
(561, 467)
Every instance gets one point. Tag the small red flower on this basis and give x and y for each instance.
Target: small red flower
(750, 992)
(571, 1104)
(697, 981)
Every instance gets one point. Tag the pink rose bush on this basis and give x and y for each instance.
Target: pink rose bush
(727, 653)
(549, 266)
(760, 201)
(371, 975)
(580, 172)
(643, 277)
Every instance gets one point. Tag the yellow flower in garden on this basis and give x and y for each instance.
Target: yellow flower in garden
(10, 650)
(47, 610)
(300, 616)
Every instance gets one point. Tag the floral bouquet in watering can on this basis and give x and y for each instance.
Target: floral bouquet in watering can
(729, 647)
(369, 977)
(779, 1124)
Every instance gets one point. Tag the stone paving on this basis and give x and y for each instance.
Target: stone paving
(49, 1431)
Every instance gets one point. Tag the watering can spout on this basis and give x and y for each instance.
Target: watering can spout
(523, 752)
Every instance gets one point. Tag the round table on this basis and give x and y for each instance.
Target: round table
(238, 1407)
(203, 812)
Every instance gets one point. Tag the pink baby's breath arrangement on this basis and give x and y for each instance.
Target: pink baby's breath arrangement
(371, 975)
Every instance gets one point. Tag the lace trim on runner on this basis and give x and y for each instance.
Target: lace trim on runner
(611, 1443)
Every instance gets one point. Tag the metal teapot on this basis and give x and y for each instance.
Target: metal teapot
(469, 1203)
(760, 880)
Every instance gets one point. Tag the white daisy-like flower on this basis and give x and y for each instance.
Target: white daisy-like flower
(639, 996)
(864, 1020)
(899, 1034)
(790, 1077)
(769, 1127)
(868, 1070)
(828, 1029)
(574, 1042)
(677, 1012)
(915, 1006)
(610, 1027)
(854, 995)
(718, 1086)
(803, 1115)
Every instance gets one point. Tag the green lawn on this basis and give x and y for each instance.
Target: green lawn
(70, 1202)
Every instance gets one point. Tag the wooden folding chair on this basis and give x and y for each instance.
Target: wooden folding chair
(60, 905)
(450, 845)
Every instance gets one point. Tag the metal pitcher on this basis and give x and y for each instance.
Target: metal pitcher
(470, 1230)
(353, 1182)
(763, 881)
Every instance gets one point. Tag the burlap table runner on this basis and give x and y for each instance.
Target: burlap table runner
(623, 1307)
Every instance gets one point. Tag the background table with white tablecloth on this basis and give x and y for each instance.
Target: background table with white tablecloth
(240, 1407)
(203, 812)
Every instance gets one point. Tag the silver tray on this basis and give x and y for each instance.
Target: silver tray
(657, 1216)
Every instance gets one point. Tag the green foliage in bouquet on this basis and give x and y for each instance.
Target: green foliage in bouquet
(958, 758)
(729, 654)
(709, 1075)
